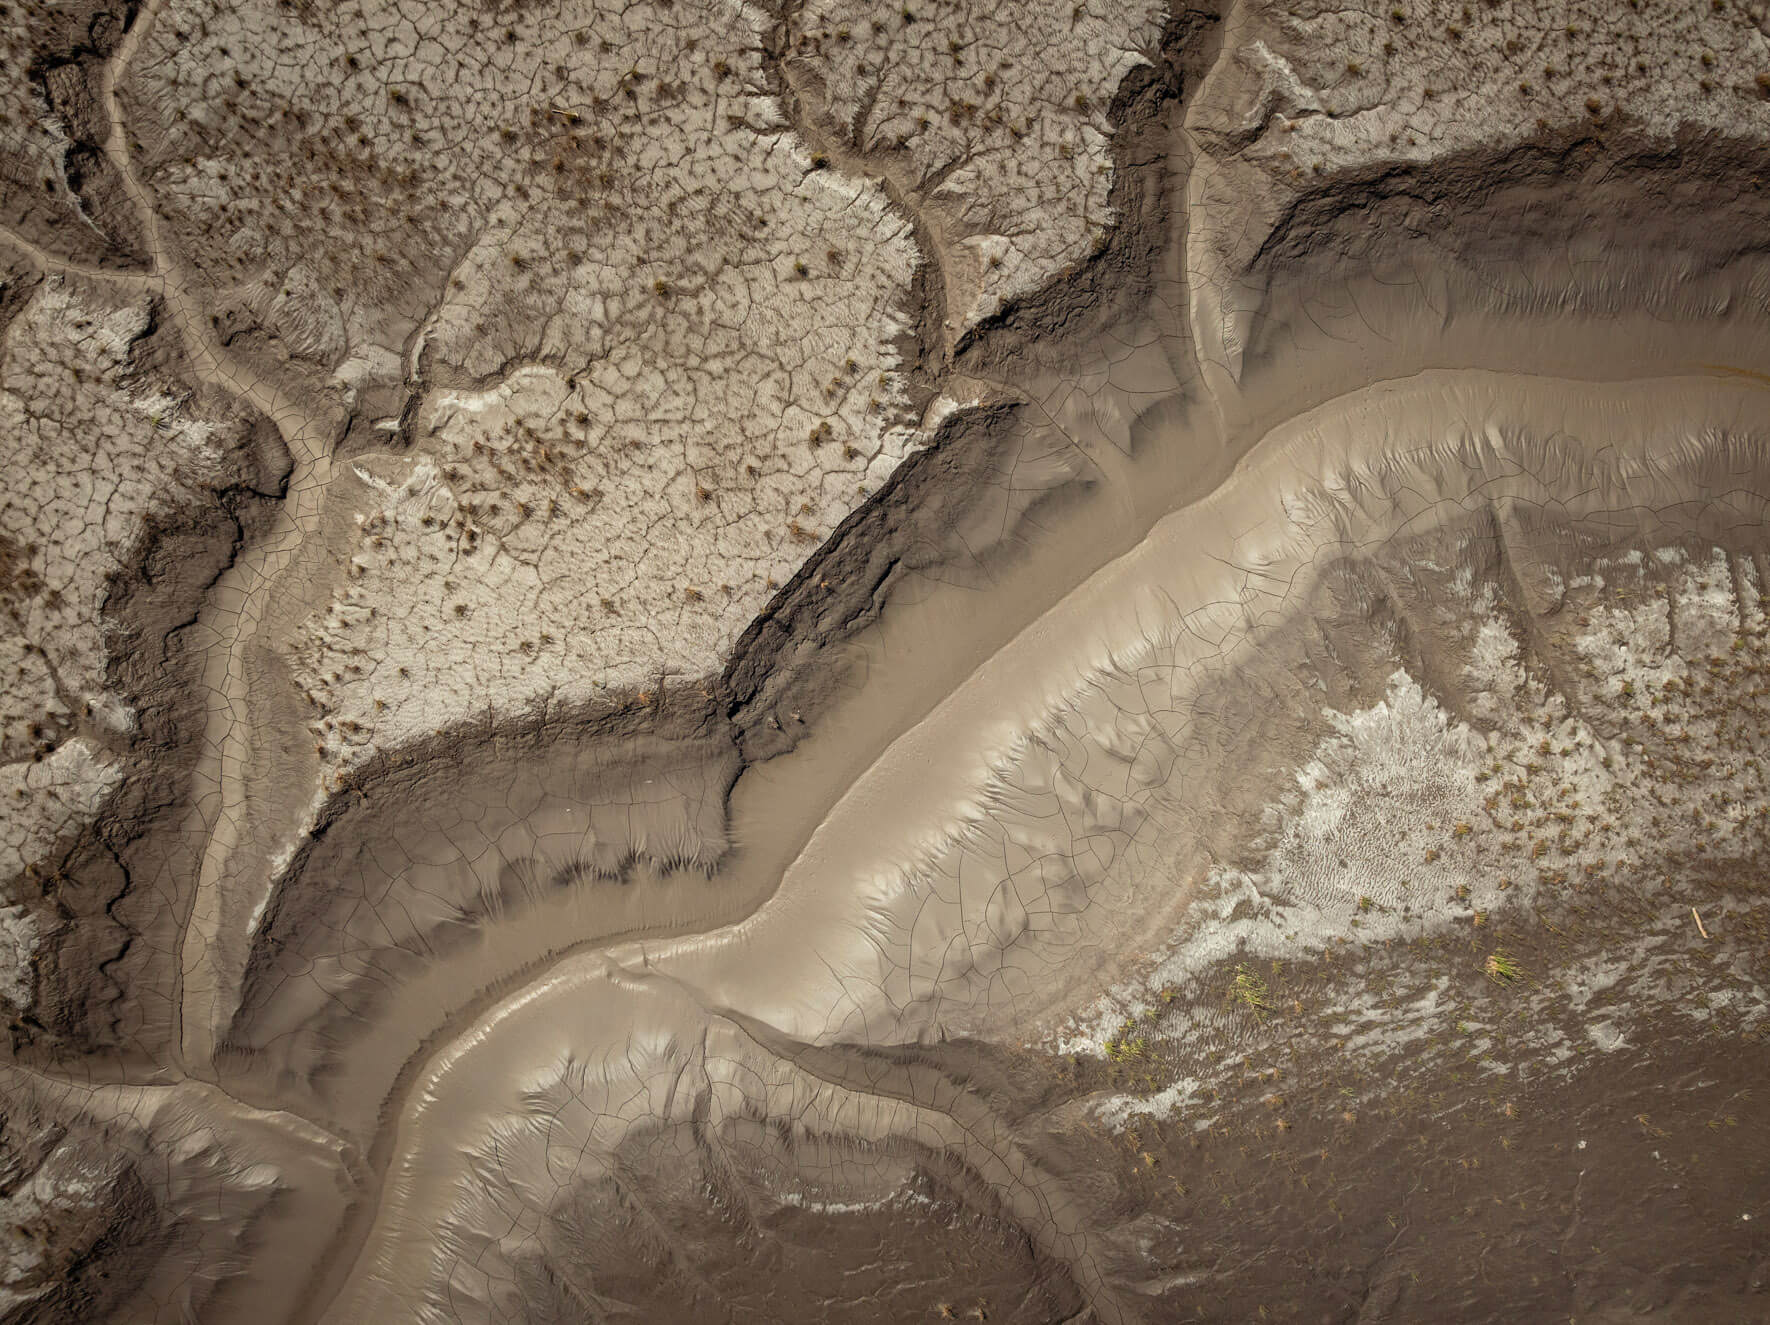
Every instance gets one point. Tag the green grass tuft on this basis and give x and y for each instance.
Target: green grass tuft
(1503, 968)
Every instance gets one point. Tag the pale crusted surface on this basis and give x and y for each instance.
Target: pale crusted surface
(33, 139)
(553, 542)
(136, 1203)
(19, 935)
(1330, 86)
(60, 1207)
(48, 798)
(1646, 760)
(91, 456)
(93, 453)
(520, 184)
(1001, 114)
(1307, 97)
(714, 322)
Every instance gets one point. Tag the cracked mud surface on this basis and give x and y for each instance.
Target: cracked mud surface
(693, 661)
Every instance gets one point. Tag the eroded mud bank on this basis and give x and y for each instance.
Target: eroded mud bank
(1045, 829)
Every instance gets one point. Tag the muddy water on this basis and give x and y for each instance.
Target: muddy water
(1469, 437)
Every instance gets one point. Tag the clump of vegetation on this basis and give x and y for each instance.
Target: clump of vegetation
(1126, 1047)
(1503, 968)
(1250, 991)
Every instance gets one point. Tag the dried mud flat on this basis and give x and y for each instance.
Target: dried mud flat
(686, 661)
